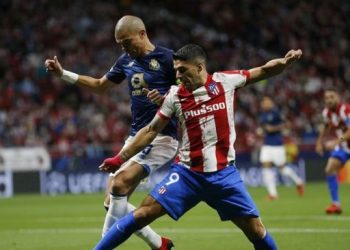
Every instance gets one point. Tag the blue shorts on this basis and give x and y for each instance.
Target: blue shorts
(340, 154)
(224, 191)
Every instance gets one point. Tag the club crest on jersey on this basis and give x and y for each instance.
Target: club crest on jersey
(213, 88)
(154, 64)
(162, 190)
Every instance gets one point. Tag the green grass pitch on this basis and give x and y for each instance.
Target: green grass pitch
(36, 222)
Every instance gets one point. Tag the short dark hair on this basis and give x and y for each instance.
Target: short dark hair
(331, 89)
(191, 52)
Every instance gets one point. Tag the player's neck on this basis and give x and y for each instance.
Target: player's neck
(201, 81)
(149, 47)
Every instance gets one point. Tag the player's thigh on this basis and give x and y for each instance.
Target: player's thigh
(333, 165)
(229, 196)
(251, 226)
(265, 156)
(336, 160)
(159, 153)
(178, 192)
(279, 156)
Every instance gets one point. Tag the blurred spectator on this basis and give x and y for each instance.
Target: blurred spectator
(36, 109)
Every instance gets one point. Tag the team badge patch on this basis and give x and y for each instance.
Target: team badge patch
(213, 88)
(154, 64)
(162, 190)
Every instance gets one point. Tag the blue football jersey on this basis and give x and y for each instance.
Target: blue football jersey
(273, 118)
(153, 71)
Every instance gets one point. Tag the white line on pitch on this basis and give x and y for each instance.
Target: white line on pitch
(181, 230)
(211, 218)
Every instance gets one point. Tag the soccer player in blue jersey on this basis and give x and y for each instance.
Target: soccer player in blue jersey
(273, 152)
(205, 170)
(146, 67)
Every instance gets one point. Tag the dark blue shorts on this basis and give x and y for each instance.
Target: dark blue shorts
(224, 191)
(340, 154)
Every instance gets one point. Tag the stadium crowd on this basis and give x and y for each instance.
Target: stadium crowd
(38, 109)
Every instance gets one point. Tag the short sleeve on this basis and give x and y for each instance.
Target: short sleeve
(167, 110)
(232, 78)
(116, 73)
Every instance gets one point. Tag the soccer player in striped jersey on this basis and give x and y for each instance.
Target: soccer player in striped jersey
(273, 152)
(205, 170)
(336, 116)
(146, 67)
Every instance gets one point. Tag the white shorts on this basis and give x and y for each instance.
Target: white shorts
(274, 154)
(159, 153)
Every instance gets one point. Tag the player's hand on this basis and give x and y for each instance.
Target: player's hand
(331, 144)
(112, 164)
(292, 56)
(54, 66)
(153, 95)
(319, 148)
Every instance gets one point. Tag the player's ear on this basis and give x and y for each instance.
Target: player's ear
(200, 67)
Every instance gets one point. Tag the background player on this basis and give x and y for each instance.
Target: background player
(336, 116)
(145, 66)
(203, 104)
(273, 152)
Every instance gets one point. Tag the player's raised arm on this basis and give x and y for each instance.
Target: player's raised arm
(273, 67)
(96, 85)
(141, 140)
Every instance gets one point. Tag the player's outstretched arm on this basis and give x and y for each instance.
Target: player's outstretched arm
(141, 140)
(98, 86)
(274, 67)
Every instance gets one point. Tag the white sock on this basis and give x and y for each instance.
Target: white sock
(288, 172)
(269, 180)
(147, 234)
(117, 209)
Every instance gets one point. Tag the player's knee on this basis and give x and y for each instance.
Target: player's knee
(144, 215)
(106, 202)
(256, 231)
(119, 187)
(330, 170)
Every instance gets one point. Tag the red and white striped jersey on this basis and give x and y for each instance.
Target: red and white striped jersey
(339, 121)
(206, 118)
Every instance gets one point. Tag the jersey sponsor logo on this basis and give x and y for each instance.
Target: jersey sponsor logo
(154, 64)
(138, 83)
(205, 109)
(213, 88)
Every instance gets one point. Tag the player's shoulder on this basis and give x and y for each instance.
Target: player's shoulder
(344, 109)
(163, 55)
(345, 105)
(229, 75)
(172, 92)
(164, 50)
(174, 89)
(123, 59)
